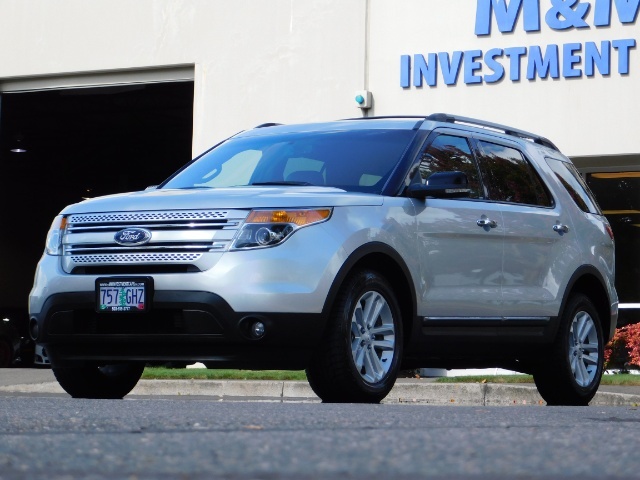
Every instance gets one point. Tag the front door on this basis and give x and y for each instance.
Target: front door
(460, 240)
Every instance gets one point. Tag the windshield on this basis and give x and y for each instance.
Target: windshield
(359, 161)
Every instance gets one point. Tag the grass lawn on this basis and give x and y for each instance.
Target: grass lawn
(618, 379)
(161, 373)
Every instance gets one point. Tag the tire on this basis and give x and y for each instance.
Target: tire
(99, 381)
(359, 358)
(572, 374)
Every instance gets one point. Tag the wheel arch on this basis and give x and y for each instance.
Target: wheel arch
(385, 260)
(588, 281)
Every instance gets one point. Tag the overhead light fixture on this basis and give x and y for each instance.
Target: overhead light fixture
(19, 145)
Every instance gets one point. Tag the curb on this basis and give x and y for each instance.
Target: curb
(429, 393)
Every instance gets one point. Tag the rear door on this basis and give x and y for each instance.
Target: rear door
(539, 239)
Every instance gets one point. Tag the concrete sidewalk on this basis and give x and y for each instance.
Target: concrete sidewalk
(419, 391)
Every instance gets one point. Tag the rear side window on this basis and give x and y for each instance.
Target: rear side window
(572, 181)
(449, 153)
(509, 177)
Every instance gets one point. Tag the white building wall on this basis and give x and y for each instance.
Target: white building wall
(301, 60)
(255, 61)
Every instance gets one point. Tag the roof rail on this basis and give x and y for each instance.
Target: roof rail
(270, 124)
(445, 117)
(382, 117)
(420, 118)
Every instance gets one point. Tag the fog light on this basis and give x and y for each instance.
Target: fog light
(257, 330)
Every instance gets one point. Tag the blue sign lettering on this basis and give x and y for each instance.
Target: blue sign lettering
(623, 47)
(566, 14)
(425, 70)
(506, 15)
(627, 12)
(594, 58)
(562, 15)
(490, 60)
(543, 67)
(570, 60)
(450, 68)
(514, 54)
(405, 71)
(471, 66)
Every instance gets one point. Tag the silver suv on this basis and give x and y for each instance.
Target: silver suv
(351, 249)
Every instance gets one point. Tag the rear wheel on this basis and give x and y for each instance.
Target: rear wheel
(572, 374)
(360, 355)
(99, 381)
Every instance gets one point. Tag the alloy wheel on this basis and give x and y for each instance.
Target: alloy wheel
(584, 350)
(372, 337)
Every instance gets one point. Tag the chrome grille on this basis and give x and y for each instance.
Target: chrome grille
(178, 237)
(136, 258)
(147, 216)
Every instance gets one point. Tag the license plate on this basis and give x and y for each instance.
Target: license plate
(122, 294)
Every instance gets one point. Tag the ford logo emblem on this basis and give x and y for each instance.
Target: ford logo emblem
(132, 236)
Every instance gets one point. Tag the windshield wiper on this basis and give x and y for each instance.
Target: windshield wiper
(297, 184)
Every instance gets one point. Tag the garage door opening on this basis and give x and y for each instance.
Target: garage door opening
(60, 146)
(618, 194)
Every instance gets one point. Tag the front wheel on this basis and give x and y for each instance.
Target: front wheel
(572, 374)
(99, 381)
(361, 352)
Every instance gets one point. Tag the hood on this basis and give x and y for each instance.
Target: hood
(225, 198)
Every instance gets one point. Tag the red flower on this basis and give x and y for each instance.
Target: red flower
(624, 348)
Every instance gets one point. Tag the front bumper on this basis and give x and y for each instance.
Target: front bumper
(179, 326)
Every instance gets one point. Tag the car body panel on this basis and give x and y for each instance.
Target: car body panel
(538, 261)
(461, 262)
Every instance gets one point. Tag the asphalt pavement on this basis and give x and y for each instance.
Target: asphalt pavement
(407, 390)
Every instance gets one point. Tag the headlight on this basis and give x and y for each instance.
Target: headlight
(267, 228)
(53, 245)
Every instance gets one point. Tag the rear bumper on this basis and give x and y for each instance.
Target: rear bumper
(179, 326)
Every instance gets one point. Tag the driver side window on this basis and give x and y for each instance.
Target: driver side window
(448, 153)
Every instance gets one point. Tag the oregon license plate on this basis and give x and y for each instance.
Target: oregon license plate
(122, 294)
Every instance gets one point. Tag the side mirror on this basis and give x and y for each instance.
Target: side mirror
(151, 187)
(441, 185)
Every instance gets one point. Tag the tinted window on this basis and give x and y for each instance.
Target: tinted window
(573, 183)
(618, 194)
(508, 176)
(448, 153)
(352, 160)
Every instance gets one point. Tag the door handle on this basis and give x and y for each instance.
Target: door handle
(561, 229)
(486, 222)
